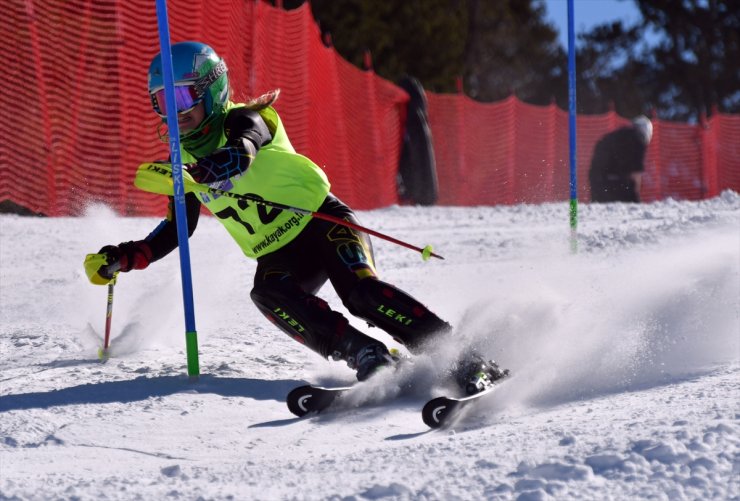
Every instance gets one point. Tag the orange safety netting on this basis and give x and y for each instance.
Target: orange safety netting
(512, 152)
(77, 119)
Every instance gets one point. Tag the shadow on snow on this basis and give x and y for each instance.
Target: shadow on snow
(144, 387)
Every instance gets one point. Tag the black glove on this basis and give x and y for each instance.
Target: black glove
(102, 267)
(125, 257)
(112, 261)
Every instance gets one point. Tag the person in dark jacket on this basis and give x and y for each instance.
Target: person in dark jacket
(618, 162)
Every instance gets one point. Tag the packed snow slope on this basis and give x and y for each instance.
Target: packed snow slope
(625, 359)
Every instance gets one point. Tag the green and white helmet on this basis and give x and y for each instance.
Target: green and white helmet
(199, 74)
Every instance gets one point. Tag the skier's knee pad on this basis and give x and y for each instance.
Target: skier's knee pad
(394, 311)
(271, 299)
(364, 298)
(277, 302)
(306, 318)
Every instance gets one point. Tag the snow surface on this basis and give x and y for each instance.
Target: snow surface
(625, 359)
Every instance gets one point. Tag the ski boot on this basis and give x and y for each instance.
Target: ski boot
(474, 374)
(361, 352)
(373, 358)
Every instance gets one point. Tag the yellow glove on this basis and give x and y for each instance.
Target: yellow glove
(99, 271)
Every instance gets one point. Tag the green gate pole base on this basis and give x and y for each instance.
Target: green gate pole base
(191, 344)
(573, 213)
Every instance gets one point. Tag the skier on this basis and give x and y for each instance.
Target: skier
(244, 148)
(617, 163)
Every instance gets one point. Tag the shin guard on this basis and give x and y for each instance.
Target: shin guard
(309, 320)
(400, 315)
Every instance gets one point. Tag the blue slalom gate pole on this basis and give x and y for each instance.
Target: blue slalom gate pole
(191, 336)
(572, 129)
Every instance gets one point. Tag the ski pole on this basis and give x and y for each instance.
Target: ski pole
(157, 178)
(426, 252)
(103, 353)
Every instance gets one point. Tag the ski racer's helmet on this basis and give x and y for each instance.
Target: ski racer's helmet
(199, 75)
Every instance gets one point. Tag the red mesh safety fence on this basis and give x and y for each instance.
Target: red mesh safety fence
(78, 120)
(723, 148)
(511, 152)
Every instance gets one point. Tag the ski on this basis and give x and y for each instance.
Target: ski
(436, 413)
(440, 411)
(312, 398)
(309, 398)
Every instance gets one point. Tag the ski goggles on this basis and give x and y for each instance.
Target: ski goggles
(187, 97)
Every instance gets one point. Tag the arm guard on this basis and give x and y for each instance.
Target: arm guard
(246, 133)
(163, 239)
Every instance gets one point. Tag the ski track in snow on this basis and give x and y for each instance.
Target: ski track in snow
(625, 359)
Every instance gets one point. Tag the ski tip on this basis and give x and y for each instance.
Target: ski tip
(308, 399)
(437, 412)
(299, 400)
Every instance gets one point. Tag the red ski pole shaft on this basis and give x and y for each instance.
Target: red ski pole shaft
(426, 252)
(332, 219)
(108, 315)
(156, 177)
(326, 217)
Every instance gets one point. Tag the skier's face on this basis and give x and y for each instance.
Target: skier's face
(191, 118)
